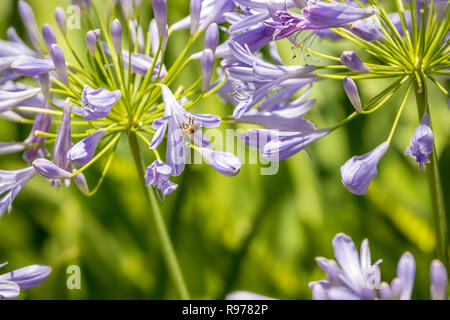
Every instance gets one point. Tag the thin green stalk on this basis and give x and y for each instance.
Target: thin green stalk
(166, 245)
(434, 182)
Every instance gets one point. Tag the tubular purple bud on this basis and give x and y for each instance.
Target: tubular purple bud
(160, 12)
(83, 151)
(28, 277)
(32, 67)
(28, 19)
(352, 61)
(224, 162)
(60, 16)
(196, 9)
(64, 139)
(116, 34)
(44, 81)
(49, 36)
(358, 172)
(49, 170)
(80, 181)
(421, 145)
(91, 41)
(9, 99)
(207, 63)
(212, 37)
(60, 63)
(438, 276)
(352, 93)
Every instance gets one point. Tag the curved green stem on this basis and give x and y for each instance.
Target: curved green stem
(166, 245)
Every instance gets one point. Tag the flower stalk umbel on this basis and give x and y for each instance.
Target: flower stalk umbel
(408, 47)
(117, 85)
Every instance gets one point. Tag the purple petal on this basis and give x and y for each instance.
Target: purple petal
(28, 277)
(82, 152)
(406, 271)
(50, 170)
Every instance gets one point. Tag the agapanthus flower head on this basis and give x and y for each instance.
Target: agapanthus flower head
(358, 172)
(356, 278)
(422, 142)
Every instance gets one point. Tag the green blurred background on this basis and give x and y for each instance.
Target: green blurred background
(250, 232)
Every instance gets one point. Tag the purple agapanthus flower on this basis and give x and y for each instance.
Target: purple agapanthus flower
(32, 67)
(401, 287)
(11, 182)
(278, 112)
(354, 278)
(422, 142)
(358, 172)
(264, 75)
(180, 123)
(49, 170)
(317, 15)
(352, 61)
(157, 175)
(82, 152)
(97, 103)
(9, 99)
(25, 278)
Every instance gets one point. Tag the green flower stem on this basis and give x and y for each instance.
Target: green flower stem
(166, 244)
(434, 182)
(399, 113)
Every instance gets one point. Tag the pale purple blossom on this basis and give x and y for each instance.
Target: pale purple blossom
(352, 93)
(422, 142)
(352, 61)
(157, 175)
(97, 103)
(11, 182)
(353, 277)
(358, 172)
(179, 123)
(224, 162)
(82, 152)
